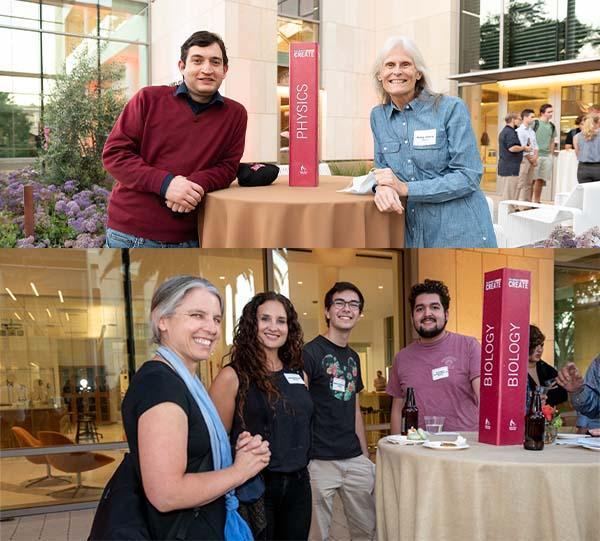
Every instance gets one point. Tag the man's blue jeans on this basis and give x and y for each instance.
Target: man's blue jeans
(117, 239)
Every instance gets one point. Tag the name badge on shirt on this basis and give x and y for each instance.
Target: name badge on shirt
(294, 378)
(338, 384)
(423, 138)
(439, 373)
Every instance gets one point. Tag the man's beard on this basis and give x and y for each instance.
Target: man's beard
(432, 333)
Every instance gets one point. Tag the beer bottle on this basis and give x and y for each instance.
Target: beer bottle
(410, 412)
(535, 424)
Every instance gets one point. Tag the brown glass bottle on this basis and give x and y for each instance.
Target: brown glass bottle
(410, 412)
(535, 424)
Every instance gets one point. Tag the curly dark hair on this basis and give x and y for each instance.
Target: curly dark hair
(247, 356)
(430, 286)
(536, 338)
(203, 38)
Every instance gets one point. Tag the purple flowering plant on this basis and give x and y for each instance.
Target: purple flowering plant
(64, 216)
(564, 237)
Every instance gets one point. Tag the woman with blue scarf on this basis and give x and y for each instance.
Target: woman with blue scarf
(174, 432)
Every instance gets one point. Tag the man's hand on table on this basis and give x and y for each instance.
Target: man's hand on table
(183, 195)
(570, 378)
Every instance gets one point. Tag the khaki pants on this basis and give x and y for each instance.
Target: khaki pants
(511, 189)
(354, 478)
(525, 186)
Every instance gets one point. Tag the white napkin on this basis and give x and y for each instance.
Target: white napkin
(361, 185)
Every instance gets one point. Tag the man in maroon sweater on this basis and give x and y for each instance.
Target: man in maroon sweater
(169, 147)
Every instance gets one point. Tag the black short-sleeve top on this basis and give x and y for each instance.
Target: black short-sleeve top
(155, 383)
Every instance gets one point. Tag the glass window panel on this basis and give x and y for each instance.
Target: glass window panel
(20, 13)
(576, 307)
(134, 59)
(20, 52)
(575, 101)
(19, 116)
(238, 274)
(479, 34)
(124, 19)
(62, 343)
(23, 483)
(79, 17)
(306, 9)
(289, 30)
(482, 101)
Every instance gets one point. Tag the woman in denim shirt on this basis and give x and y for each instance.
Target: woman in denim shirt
(425, 150)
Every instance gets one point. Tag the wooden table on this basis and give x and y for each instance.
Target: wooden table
(487, 492)
(278, 216)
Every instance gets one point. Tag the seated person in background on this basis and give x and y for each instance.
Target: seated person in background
(583, 394)
(443, 367)
(380, 382)
(540, 372)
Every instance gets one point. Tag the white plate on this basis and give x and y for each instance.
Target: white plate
(566, 436)
(437, 445)
(590, 447)
(398, 439)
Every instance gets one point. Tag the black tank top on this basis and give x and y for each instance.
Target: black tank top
(286, 425)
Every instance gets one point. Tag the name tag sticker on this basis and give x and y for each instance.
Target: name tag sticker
(439, 373)
(294, 378)
(338, 384)
(423, 138)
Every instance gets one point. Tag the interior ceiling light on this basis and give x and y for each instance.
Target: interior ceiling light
(34, 289)
(11, 294)
(60, 296)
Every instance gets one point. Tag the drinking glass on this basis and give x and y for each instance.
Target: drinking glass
(434, 424)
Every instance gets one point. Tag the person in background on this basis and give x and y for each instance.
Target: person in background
(263, 390)
(541, 373)
(380, 382)
(172, 427)
(545, 132)
(425, 150)
(530, 159)
(340, 457)
(584, 394)
(573, 132)
(510, 152)
(441, 366)
(587, 148)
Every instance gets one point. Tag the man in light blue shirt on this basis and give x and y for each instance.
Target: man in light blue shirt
(425, 150)
(530, 159)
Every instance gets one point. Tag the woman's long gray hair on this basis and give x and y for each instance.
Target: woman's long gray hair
(410, 47)
(168, 297)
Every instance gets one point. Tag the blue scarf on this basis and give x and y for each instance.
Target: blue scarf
(236, 528)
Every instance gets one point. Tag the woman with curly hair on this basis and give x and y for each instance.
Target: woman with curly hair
(587, 148)
(263, 390)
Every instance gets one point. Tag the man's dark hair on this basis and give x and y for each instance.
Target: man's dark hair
(430, 286)
(536, 338)
(544, 107)
(338, 287)
(203, 38)
(527, 112)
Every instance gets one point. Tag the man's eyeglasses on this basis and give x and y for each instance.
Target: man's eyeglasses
(341, 303)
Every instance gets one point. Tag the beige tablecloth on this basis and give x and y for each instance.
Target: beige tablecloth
(280, 216)
(487, 492)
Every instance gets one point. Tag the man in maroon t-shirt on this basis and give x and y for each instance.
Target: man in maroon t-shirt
(442, 367)
(169, 147)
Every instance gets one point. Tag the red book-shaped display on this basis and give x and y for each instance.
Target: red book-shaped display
(304, 114)
(504, 356)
